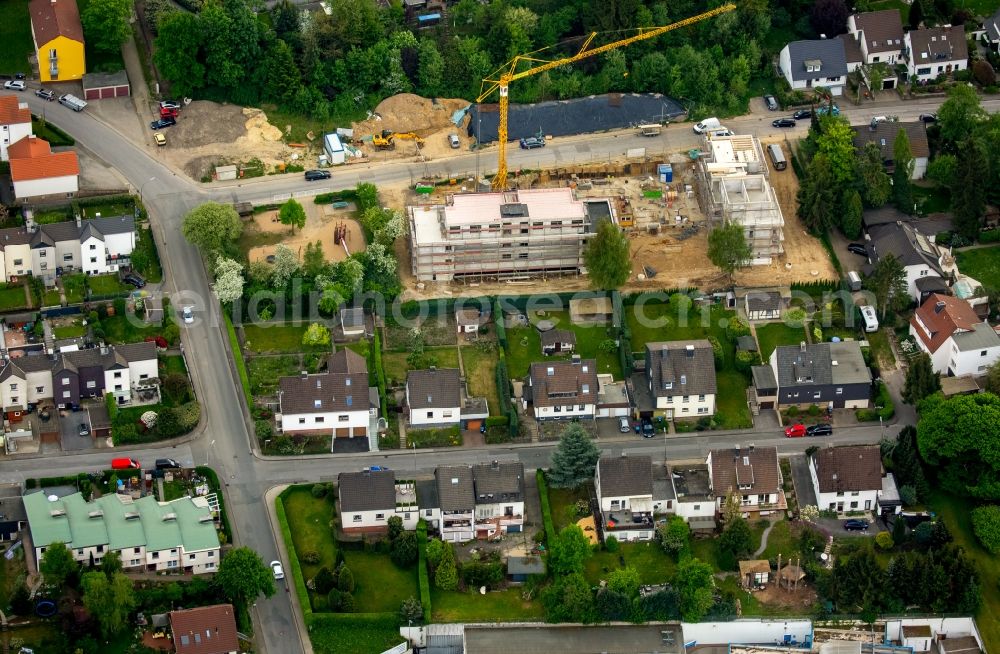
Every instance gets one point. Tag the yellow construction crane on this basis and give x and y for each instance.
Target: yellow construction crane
(387, 139)
(501, 78)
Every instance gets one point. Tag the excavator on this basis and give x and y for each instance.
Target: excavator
(386, 141)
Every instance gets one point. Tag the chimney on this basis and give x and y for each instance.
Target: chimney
(750, 447)
(576, 359)
(303, 374)
(78, 221)
(802, 346)
(690, 351)
(433, 368)
(939, 307)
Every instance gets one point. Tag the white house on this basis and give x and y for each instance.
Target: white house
(751, 474)
(624, 487)
(15, 122)
(847, 478)
(469, 319)
(879, 34)
(37, 171)
(957, 340)
(334, 149)
(336, 402)
(936, 51)
(369, 498)
(434, 397)
(681, 376)
(106, 244)
(692, 486)
(499, 488)
(816, 63)
(563, 389)
(884, 135)
(923, 260)
(455, 513)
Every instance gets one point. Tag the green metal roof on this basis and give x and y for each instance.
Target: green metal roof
(45, 527)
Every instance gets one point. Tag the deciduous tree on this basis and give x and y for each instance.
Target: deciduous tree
(293, 214)
(58, 566)
(574, 459)
(728, 248)
(888, 283)
(921, 380)
(242, 577)
(902, 189)
(109, 601)
(607, 257)
(674, 535)
(961, 437)
(316, 335)
(212, 227)
(625, 581)
(313, 261)
(106, 24)
(695, 585)
(986, 524)
(228, 286)
(992, 379)
(568, 599)
(736, 538)
(284, 266)
(959, 116)
(569, 551)
(876, 182)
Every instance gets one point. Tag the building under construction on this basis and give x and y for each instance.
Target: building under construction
(509, 235)
(733, 187)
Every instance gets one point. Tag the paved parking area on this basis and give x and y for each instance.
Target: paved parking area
(69, 432)
(805, 494)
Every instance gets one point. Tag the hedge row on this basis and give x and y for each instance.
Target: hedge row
(338, 196)
(293, 560)
(241, 366)
(497, 421)
(424, 576)
(501, 328)
(353, 633)
(122, 198)
(543, 493)
(379, 370)
(215, 486)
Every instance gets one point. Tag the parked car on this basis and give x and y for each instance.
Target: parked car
(134, 279)
(165, 464)
(163, 122)
(802, 114)
(84, 429)
(375, 469)
(928, 118)
(532, 142)
(795, 431)
(168, 112)
(856, 525)
(313, 175)
(824, 110)
(647, 428)
(783, 122)
(188, 315)
(857, 248)
(125, 463)
(453, 141)
(819, 430)
(623, 425)
(170, 104)
(160, 139)
(14, 85)
(771, 102)
(46, 94)
(279, 572)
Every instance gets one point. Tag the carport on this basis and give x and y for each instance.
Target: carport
(98, 86)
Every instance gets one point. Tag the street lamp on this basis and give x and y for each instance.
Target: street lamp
(142, 186)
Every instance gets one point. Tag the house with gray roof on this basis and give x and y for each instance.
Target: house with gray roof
(825, 374)
(149, 536)
(920, 256)
(934, 51)
(814, 63)
(850, 478)
(624, 488)
(991, 31)
(681, 376)
(879, 34)
(434, 397)
(499, 488)
(455, 514)
(370, 497)
(884, 135)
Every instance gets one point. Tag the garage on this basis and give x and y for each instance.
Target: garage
(342, 432)
(360, 432)
(99, 86)
(473, 425)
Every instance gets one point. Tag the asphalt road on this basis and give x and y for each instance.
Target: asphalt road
(224, 442)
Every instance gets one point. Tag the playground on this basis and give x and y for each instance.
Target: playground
(334, 227)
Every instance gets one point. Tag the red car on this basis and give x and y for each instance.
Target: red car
(795, 431)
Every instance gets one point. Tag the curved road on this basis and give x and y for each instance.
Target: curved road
(224, 442)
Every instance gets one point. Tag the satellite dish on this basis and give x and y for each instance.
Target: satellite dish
(823, 556)
(53, 498)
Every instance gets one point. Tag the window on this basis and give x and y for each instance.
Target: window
(685, 410)
(522, 255)
(615, 504)
(446, 414)
(357, 517)
(41, 254)
(39, 389)
(557, 409)
(18, 262)
(697, 507)
(854, 505)
(144, 376)
(702, 409)
(701, 398)
(92, 384)
(380, 516)
(65, 381)
(171, 564)
(93, 259)
(173, 551)
(211, 554)
(685, 400)
(68, 257)
(93, 246)
(833, 79)
(190, 557)
(136, 550)
(320, 420)
(762, 499)
(118, 387)
(428, 512)
(67, 394)
(343, 418)
(430, 414)
(840, 391)
(982, 353)
(924, 71)
(302, 421)
(406, 516)
(13, 387)
(118, 375)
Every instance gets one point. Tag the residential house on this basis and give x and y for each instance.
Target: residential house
(825, 374)
(751, 474)
(927, 264)
(470, 318)
(563, 389)
(36, 171)
(681, 376)
(763, 304)
(880, 37)
(149, 536)
(434, 397)
(336, 402)
(692, 487)
(991, 31)
(352, 321)
(558, 341)
(58, 37)
(15, 122)
(499, 490)
(13, 517)
(852, 52)
(205, 630)
(813, 64)
(456, 511)
(935, 51)
(957, 340)
(370, 497)
(884, 135)
(850, 478)
(624, 487)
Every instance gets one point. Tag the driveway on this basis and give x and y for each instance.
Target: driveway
(69, 432)
(835, 527)
(805, 494)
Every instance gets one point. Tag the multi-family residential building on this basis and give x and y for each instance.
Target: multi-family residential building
(370, 497)
(733, 187)
(338, 402)
(814, 64)
(455, 514)
(879, 34)
(681, 376)
(15, 122)
(148, 535)
(503, 235)
(825, 374)
(434, 397)
(957, 340)
(205, 630)
(624, 487)
(58, 35)
(936, 51)
(499, 490)
(563, 389)
(67, 377)
(926, 263)
(751, 474)
(38, 172)
(851, 478)
(884, 135)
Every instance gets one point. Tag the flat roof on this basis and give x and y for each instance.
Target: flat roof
(547, 203)
(604, 639)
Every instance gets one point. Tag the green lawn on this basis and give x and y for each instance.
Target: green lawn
(381, 586)
(69, 331)
(560, 501)
(278, 339)
(15, 34)
(362, 347)
(12, 297)
(480, 371)
(732, 400)
(650, 561)
(780, 541)
(773, 334)
(659, 322)
(751, 606)
(264, 372)
(102, 285)
(443, 437)
(395, 366)
(955, 513)
(352, 633)
(931, 199)
(524, 345)
(51, 298)
(173, 364)
(881, 349)
(309, 522)
(707, 549)
(52, 216)
(496, 606)
(75, 287)
(120, 329)
(983, 265)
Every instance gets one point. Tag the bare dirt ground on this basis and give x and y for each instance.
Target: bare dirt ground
(321, 221)
(802, 598)
(428, 119)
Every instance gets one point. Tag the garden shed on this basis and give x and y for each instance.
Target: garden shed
(519, 568)
(98, 86)
(754, 573)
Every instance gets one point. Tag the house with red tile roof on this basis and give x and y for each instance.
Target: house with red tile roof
(205, 630)
(15, 122)
(38, 171)
(58, 35)
(957, 340)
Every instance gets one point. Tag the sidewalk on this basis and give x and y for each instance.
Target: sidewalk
(297, 617)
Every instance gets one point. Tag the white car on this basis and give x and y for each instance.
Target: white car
(14, 85)
(188, 315)
(279, 572)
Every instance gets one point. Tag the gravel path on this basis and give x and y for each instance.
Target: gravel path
(763, 540)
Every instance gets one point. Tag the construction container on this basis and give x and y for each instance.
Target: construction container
(665, 172)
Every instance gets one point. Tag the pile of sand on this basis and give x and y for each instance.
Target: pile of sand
(258, 129)
(407, 112)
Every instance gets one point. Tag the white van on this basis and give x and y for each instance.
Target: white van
(871, 320)
(706, 125)
(73, 102)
